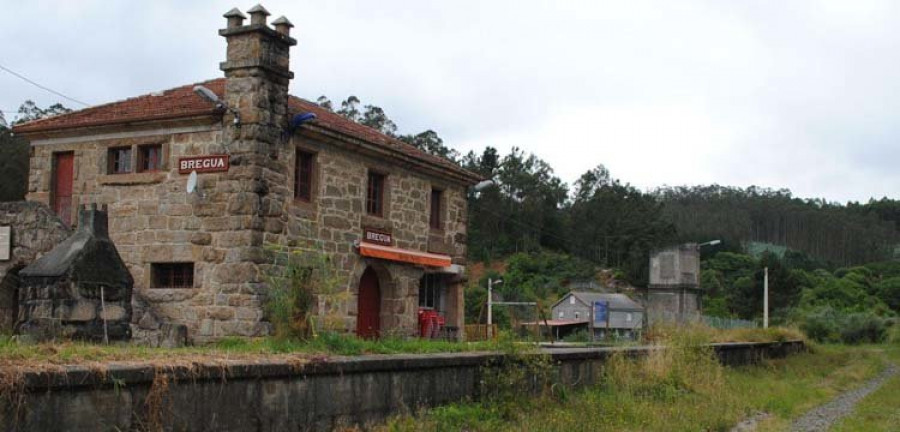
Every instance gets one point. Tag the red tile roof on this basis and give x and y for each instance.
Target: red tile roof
(182, 102)
(178, 102)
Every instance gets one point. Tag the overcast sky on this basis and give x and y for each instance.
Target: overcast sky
(781, 94)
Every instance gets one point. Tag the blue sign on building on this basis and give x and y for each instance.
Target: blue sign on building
(601, 309)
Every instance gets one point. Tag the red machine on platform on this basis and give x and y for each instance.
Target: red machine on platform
(430, 323)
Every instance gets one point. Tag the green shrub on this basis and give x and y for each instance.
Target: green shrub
(578, 336)
(863, 327)
(820, 324)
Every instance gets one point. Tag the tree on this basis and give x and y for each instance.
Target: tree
(375, 118)
(14, 150)
(430, 142)
(350, 108)
(324, 102)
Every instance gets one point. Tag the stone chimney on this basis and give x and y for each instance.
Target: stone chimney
(257, 72)
(93, 220)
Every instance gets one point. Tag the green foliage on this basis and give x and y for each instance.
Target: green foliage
(826, 324)
(304, 293)
(542, 275)
(844, 235)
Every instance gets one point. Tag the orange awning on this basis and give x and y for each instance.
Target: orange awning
(404, 255)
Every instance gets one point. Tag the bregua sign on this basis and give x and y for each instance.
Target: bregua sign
(377, 237)
(203, 164)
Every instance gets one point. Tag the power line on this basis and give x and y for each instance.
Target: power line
(42, 87)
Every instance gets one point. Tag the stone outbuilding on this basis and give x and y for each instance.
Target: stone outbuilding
(273, 171)
(673, 294)
(80, 289)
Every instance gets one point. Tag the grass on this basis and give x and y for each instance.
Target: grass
(49, 355)
(681, 389)
(881, 409)
(16, 354)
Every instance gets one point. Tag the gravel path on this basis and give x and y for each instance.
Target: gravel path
(822, 417)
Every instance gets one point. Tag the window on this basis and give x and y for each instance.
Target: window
(172, 275)
(149, 158)
(572, 300)
(576, 315)
(119, 160)
(628, 316)
(303, 176)
(431, 287)
(375, 194)
(436, 209)
(561, 314)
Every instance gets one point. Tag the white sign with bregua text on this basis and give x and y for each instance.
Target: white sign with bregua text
(203, 164)
(5, 242)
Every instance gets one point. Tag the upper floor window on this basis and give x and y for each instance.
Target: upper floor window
(375, 194)
(435, 220)
(150, 158)
(303, 175)
(119, 160)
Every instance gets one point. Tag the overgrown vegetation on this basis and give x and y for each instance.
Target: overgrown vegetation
(683, 388)
(305, 294)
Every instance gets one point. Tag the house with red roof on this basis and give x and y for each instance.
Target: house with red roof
(203, 182)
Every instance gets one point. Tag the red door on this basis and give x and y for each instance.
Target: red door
(368, 317)
(64, 168)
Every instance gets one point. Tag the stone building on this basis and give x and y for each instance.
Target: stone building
(673, 293)
(272, 170)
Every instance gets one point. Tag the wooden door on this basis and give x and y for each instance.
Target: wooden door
(63, 175)
(368, 317)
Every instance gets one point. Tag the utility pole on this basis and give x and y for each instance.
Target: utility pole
(490, 304)
(766, 298)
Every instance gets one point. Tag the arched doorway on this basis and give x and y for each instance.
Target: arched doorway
(9, 300)
(368, 315)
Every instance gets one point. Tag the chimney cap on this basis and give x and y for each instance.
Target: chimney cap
(282, 20)
(234, 13)
(258, 9)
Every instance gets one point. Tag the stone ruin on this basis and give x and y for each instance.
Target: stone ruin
(81, 289)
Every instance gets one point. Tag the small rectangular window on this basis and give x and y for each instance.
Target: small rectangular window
(150, 158)
(375, 194)
(172, 275)
(430, 290)
(435, 220)
(303, 172)
(119, 160)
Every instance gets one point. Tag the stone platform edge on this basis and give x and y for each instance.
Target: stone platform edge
(119, 374)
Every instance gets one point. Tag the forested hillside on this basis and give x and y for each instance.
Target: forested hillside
(834, 233)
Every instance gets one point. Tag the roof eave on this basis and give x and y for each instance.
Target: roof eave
(459, 175)
(103, 126)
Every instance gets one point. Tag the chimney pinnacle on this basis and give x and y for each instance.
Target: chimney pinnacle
(235, 18)
(282, 25)
(258, 15)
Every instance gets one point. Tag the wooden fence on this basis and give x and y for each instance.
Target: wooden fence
(479, 332)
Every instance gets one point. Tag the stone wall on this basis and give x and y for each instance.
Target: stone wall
(35, 231)
(276, 396)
